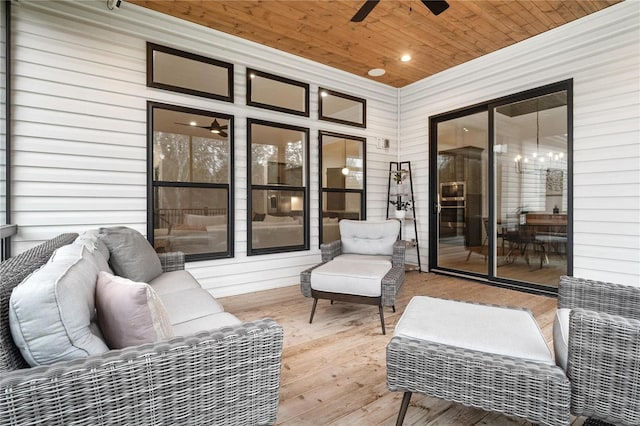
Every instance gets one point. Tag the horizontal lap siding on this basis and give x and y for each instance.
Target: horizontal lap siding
(600, 52)
(79, 106)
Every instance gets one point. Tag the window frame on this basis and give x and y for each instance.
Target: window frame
(250, 102)
(151, 47)
(323, 117)
(304, 189)
(323, 190)
(229, 186)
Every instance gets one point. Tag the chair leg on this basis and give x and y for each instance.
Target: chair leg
(403, 408)
(313, 309)
(394, 308)
(381, 318)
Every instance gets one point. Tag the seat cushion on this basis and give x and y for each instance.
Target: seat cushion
(363, 258)
(491, 329)
(174, 281)
(357, 278)
(205, 323)
(189, 305)
(131, 255)
(130, 313)
(561, 337)
(51, 312)
(369, 237)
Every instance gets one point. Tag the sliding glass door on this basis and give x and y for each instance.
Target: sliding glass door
(501, 189)
(531, 188)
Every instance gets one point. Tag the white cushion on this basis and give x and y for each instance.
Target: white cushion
(202, 220)
(189, 304)
(363, 258)
(51, 311)
(174, 281)
(368, 237)
(561, 337)
(205, 323)
(360, 279)
(491, 329)
(130, 313)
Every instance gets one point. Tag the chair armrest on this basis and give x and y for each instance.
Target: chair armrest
(305, 280)
(399, 250)
(172, 261)
(603, 366)
(330, 250)
(225, 376)
(599, 296)
(391, 284)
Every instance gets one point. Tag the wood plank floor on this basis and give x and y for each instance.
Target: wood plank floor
(334, 370)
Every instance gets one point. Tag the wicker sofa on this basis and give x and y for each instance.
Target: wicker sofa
(225, 376)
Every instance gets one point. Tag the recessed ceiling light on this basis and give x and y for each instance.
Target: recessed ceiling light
(376, 72)
(193, 123)
(405, 58)
(324, 94)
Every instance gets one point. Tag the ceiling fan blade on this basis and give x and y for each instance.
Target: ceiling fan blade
(365, 9)
(436, 6)
(223, 134)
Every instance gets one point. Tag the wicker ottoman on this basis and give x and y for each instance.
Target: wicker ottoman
(486, 356)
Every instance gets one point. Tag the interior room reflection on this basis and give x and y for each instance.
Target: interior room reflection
(531, 191)
(277, 179)
(190, 149)
(278, 93)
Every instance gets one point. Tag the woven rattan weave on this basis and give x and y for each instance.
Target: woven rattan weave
(228, 376)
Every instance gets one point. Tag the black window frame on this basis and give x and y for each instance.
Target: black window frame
(250, 187)
(151, 47)
(323, 190)
(323, 117)
(280, 79)
(152, 184)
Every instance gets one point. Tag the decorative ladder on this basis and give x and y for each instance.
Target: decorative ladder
(401, 203)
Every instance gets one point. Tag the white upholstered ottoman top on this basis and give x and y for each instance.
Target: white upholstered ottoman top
(492, 329)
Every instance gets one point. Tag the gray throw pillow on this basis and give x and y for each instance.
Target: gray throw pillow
(131, 255)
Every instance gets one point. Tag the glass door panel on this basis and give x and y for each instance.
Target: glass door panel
(531, 187)
(462, 193)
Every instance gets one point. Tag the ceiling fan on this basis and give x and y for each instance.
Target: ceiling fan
(435, 6)
(215, 127)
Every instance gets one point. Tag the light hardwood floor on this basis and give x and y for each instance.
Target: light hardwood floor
(334, 370)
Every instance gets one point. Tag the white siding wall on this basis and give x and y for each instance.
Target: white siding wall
(601, 52)
(80, 127)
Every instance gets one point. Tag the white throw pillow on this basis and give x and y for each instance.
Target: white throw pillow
(130, 313)
(51, 312)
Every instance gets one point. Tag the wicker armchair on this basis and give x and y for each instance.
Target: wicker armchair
(390, 282)
(603, 362)
(228, 376)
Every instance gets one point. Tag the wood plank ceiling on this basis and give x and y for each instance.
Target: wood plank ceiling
(322, 30)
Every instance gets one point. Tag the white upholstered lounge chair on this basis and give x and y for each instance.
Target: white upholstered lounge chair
(365, 266)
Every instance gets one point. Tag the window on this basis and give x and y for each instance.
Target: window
(184, 72)
(278, 211)
(342, 108)
(343, 179)
(277, 93)
(190, 162)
